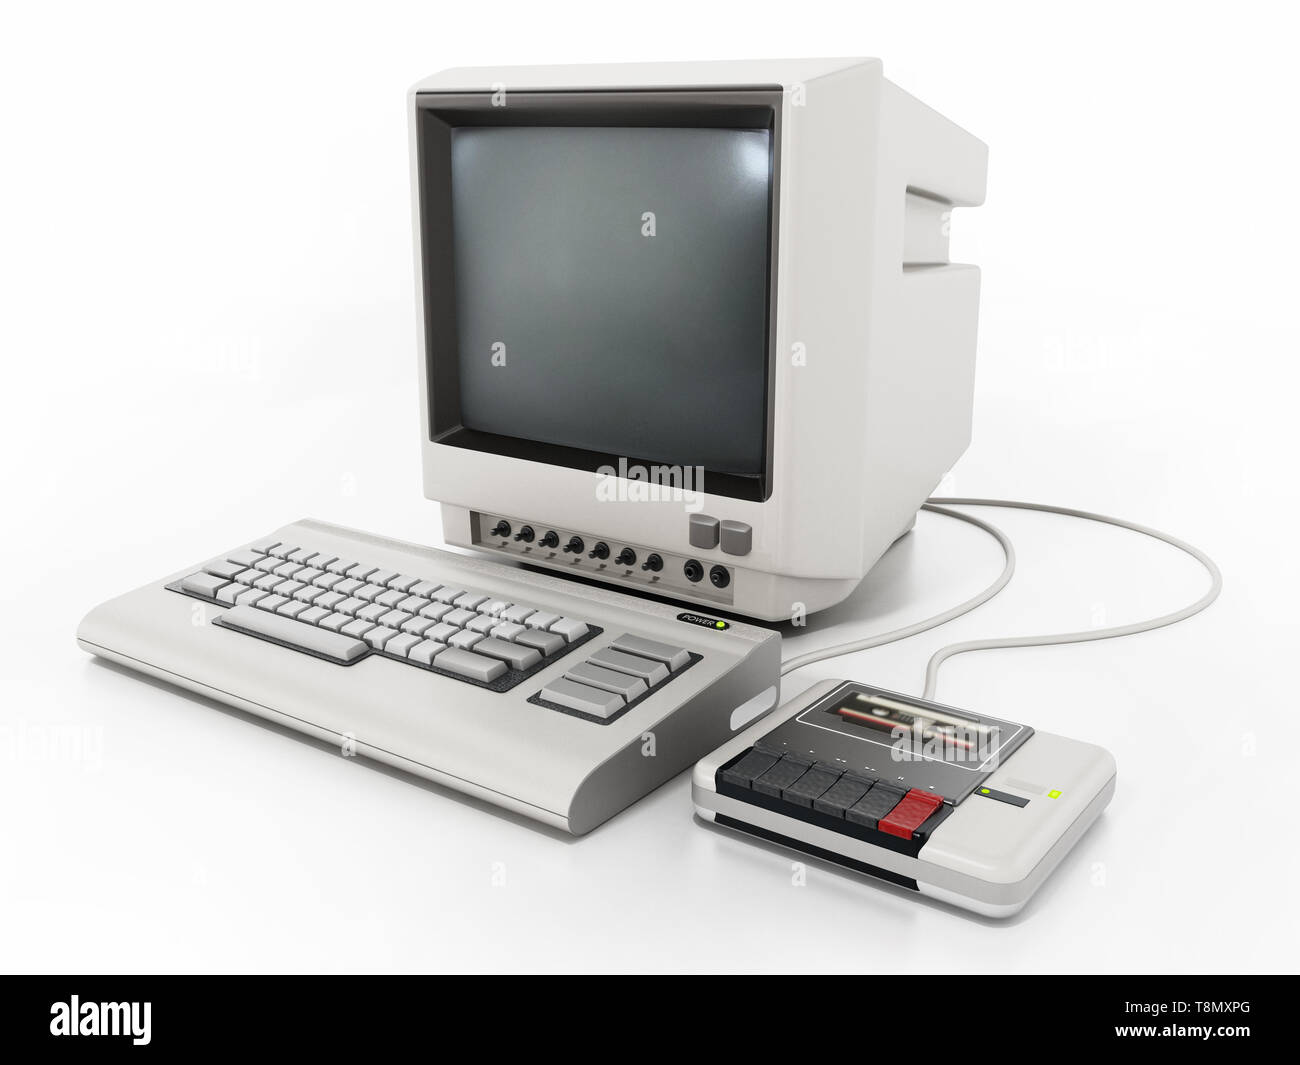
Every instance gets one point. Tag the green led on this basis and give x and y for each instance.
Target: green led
(722, 624)
(984, 791)
(1053, 794)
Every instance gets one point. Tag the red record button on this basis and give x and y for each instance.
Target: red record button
(911, 813)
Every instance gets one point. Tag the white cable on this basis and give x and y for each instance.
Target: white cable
(1009, 553)
(938, 505)
(1085, 635)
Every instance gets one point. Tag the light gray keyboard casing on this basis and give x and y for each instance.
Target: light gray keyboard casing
(563, 770)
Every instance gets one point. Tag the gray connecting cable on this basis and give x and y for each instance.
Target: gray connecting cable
(939, 505)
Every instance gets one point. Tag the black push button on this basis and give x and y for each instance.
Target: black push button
(845, 792)
(811, 785)
(874, 805)
(781, 776)
(753, 764)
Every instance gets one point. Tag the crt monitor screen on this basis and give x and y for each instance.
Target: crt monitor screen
(611, 292)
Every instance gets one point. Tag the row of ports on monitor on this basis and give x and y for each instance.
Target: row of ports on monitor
(600, 551)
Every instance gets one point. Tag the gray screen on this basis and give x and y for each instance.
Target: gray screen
(615, 338)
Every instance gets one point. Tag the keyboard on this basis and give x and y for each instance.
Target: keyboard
(552, 699)
(972, 810)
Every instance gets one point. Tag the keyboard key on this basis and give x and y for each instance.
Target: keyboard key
(248, 576)
(569, 628)
(418, 625)
(302, 555)
(425, 652)
(259, 623)
(911, 812)
(328, 600)
(223, 569)
(361, 571)
(424, 589)
(271, 602)
(381, 576)
(441, 632)
(264, 548)
(357, 628)
(249, 596)
(378, 636)
(203, 584)
(335, 622)
(228, 594)
(493, 607)
(403, 583)
(347, 586)
(459, 617)
(435, 611)
(291, 608)
(470, 600)
(288, 569)
(514, 656)
(468, 664)
(283, 550)
(546, 642)
(370, 592)
(651, 672)
(308, 575)
(753, 765)
(322, 560)
(481, 624)
(395, 619)
(874, 805)
(327, 580)
(541, 620)
(313, 615)
(400, 644)
(373, 612)
(288, 587)
(607, 680)
(307, 593)
(582, 698)
(390, 598)
(247, 559)
(673, 657)
(267, 582)
(507, 630)
(351, 606)
(465, 639)
(517, 613)
(448, 595)
(341, 565)
(268, 564)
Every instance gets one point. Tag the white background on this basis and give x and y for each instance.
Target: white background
(207, 329)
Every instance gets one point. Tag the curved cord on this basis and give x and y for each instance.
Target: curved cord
(1086, 635)
(988, 593)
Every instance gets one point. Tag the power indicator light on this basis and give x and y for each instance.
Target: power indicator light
(1053, 794)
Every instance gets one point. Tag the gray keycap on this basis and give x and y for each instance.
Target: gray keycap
(465, 639)
(546, 642)
(307, 593)
(302, 555)
(228, 593)
(507, 630)
(268, 564)
(327, 580)
(459, 617)
(493, 607)
(570, 628)
(203, 583)
(517, 613)
(651, 672)
(381, 576)
(400, 644)
(395, 619)
(511, 654)
(276, 626)
(470, 600)
(441, 632)
(328, 600)
(223, 569)
(389, 598)
(265, 547)
(378, 636)
(340, 565)
(271, 602)
(541, 620)
(448, 594)
(248, 576)
(425, 651)
(309, 575)
(370, 592)
(346, 586)
(673, 657)
(289, 569)
(417, 625)
(361, 571)
(468, 664)
(482, 624)
(246, 559)
(267, 582)
(351, 606)
(322, 560)
(403, 583)
(607, 680)
(424, 589)
(288, 587)
(335, 622)
(413, 604)
(582, 698)
(283, 550)
(313, 615)
(373, 612)
(249, 596)
(357, 628)
(291, 608)
(435, 611)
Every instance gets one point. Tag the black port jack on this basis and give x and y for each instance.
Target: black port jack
(653, 563)
(550, 539)
(719, 577)
(502, 528)
(693, 570)
(626, 557)
(600, 551)
(525, 533)
(574, 545)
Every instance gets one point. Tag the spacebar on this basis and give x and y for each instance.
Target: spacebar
(296, 633)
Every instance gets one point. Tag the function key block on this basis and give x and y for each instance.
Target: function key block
(968, 809)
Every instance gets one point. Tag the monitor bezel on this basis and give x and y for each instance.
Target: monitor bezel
(439, 113)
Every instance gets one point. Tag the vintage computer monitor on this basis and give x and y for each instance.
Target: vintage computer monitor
(690, 328)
